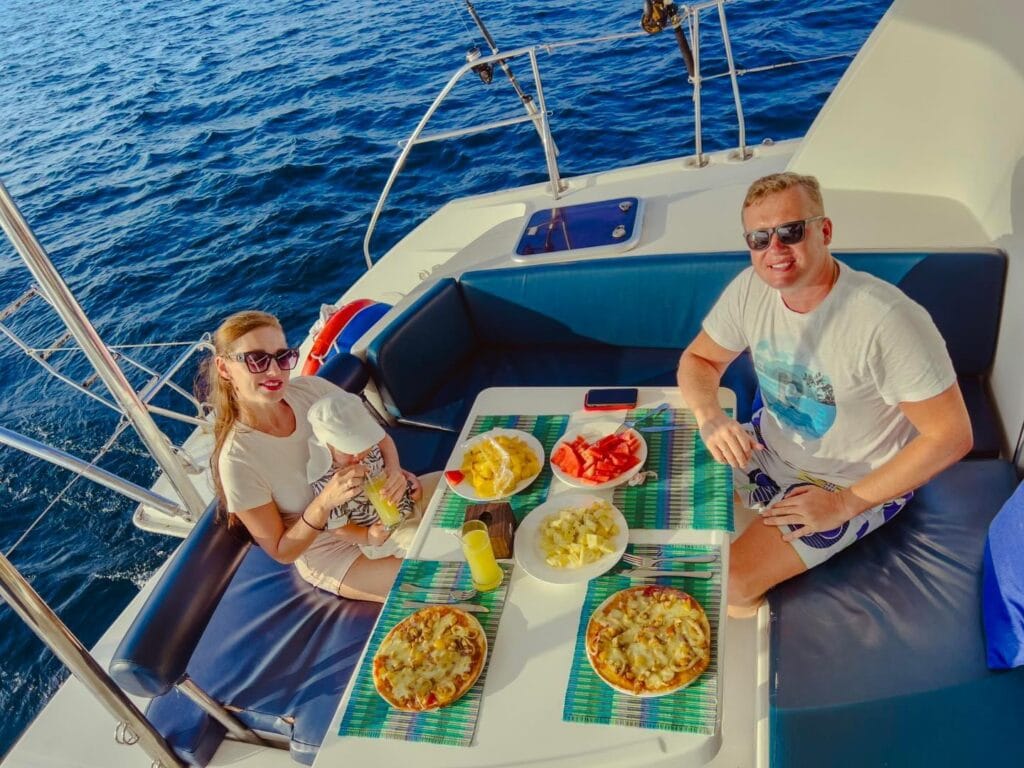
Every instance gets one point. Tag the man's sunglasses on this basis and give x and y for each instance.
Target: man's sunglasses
(258, 361)
(790, 233)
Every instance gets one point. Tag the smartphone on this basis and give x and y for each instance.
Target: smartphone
(610, 399)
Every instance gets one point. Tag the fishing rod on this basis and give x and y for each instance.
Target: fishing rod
(486, 71)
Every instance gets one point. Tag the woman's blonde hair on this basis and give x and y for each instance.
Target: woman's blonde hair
(219, 392)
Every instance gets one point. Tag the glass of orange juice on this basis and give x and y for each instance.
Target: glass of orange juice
(476, 546)
(388, 512)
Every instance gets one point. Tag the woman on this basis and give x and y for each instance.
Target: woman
(260, 455)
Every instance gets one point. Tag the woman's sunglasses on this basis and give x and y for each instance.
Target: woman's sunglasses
(258, 361)
(790, 233)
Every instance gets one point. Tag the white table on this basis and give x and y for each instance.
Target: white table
(521, 713)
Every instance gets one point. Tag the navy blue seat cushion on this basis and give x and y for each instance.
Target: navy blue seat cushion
(881, 642)
(193, 735)
(281, 651)
(1003, 583)
(278, 653)
(421, 450)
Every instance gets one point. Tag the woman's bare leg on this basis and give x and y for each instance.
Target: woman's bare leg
(370, 579)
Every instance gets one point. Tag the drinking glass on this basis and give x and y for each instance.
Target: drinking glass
(476, 546)
(388, 512)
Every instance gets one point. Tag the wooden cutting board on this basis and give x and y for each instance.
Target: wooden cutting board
(500, 522)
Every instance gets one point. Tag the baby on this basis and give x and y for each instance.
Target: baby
(344, 433)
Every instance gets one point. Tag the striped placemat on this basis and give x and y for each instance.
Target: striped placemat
(693, 709)
(692, 490)
(367, 714)
(451, 511)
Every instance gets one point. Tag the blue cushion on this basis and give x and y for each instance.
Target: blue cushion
(193, 735)
(637, 301)
(421, 346)
(546, 320)
(154, 653)
(281, 652)
(1003, 595)
(872, 650)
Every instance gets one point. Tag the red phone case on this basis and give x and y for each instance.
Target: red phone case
(587, 406)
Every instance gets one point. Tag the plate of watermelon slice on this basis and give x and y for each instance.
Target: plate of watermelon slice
(595, 456)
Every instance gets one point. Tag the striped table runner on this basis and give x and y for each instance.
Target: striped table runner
(694, 709)
(692, 489)
(451, 511)
(367, 714)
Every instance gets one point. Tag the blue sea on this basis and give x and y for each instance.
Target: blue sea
(181, 161)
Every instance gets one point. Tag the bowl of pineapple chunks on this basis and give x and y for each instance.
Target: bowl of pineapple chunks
(571, 537)
(495, 464)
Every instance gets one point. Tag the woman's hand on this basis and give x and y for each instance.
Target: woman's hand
(346, 484)
(377, 534)
(394, 487)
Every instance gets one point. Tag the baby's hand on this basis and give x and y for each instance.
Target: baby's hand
(377, 534)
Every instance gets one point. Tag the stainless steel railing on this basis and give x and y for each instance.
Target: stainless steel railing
(132, 725)
(131, 405)
(538, 115)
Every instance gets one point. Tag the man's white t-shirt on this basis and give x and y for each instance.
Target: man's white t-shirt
(832, 378)
(256, 467)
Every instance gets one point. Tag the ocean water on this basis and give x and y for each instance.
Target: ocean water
(183, 161)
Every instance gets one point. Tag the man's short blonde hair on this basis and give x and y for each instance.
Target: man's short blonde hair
(780, 182)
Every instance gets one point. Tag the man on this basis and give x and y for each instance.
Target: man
(861, 403)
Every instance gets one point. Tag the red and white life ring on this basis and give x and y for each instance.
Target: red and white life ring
(341, 330)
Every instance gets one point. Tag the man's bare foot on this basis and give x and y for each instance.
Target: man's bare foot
(744, 611)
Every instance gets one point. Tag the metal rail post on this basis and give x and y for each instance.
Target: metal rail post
(69, 310)
(26, 602)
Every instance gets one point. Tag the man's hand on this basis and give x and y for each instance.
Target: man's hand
(814, 509)
(728, 442)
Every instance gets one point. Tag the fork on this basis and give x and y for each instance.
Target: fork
(648, 562)
(456, 595)
(649, 415)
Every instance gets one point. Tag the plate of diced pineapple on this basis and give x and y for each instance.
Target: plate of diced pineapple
(571, 537)
(495, 464)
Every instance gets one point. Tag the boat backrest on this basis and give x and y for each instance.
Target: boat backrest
(651, 302)
(154, 653)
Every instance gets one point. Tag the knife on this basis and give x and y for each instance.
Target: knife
(470, 607)
(664, 428)
(648, 573)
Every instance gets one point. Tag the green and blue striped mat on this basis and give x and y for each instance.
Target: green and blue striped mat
(367, 714)
(451, 511)
(692, 490)
(694, 709)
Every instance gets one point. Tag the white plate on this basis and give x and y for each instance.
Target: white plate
(530, 556)
(465, 488)
(594, 431)
(620, 689)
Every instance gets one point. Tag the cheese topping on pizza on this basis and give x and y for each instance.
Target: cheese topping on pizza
(429, 659)
(649, 639)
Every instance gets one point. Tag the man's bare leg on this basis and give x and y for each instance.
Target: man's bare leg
(758, 560)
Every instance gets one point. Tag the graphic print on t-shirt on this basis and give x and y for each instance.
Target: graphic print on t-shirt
(802, 399)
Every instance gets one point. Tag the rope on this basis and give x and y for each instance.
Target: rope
(150, 345)
(751, 70)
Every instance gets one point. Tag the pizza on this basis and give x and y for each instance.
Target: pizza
(649, 640)
(429, 659)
